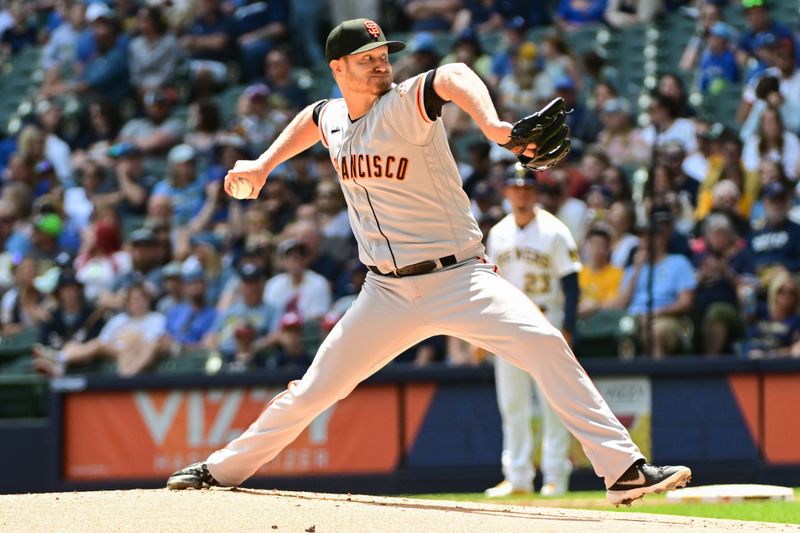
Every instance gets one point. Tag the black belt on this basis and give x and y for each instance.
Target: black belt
(423, 267)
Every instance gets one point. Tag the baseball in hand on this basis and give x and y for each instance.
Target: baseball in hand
(241, 188)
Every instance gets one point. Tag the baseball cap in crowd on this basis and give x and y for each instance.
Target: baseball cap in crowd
(49, 224)
(158, 96)
(564, 83)
(181, 153)
(516, 23)
(256, 91)
(519, 176)
(142, 236)
(66, 277)
(123, 149)
(723, 30)
(250, 272)
(661, 214)
(97, 10)
(290, 320)
(749, 4)
(171, 270)
(423, 42)
(208, 238)
(290, 245)
(356, 36)
(775, 190)
(527, 51)
(192, 273)
(617, 105)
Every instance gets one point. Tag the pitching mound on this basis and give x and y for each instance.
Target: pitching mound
(240, 510)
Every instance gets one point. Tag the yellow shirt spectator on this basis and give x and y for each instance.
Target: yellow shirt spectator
(599, 287)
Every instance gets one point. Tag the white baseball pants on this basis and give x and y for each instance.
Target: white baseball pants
(469, 301)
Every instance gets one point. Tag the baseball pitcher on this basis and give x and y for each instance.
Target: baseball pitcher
(428, 272)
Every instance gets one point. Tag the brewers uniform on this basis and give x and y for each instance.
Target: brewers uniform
(428, 276)
(533, 259)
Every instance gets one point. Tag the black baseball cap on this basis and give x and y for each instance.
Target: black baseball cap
(519, 176)
(356, 36)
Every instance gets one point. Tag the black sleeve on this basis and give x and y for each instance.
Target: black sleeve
(569, 285)
(433, 102)
(317, 109)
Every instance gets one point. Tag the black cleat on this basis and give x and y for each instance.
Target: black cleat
(194, 476)
(642, 478)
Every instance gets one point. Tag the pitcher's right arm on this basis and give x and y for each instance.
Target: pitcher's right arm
(299, 135)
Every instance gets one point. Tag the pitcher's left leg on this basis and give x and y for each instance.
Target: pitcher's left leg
(556, 466)
(476, 304)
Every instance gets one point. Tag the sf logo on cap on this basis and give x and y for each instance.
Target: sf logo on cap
(373, 29)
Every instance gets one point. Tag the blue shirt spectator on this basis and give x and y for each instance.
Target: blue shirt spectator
(259, 25)
(718, 63)
(189, 321)
(672, 275)
(578, 12)
(211, 35)
(183, 186)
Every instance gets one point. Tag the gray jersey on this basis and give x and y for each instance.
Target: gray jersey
(402, 186)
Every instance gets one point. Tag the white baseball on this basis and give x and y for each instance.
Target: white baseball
(241, 188)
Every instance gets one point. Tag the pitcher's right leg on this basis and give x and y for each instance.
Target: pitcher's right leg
(380, 325)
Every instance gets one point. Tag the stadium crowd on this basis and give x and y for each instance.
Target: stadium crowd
(118, 241)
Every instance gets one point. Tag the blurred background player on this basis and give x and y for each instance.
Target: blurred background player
(536, 252)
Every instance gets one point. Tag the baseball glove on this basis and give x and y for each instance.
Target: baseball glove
(548, 130)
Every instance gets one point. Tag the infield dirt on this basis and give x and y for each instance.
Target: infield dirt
(223, 510)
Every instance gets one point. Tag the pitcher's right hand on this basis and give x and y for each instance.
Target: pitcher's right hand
(250, 171)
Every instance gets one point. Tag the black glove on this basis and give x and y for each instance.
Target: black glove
(548, 130)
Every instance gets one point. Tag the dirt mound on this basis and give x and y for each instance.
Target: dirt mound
(240, 510)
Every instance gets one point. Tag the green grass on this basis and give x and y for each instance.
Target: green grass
(785, 512)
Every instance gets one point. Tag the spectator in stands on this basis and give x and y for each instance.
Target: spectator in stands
(525, 86)
(154, 53)
(209, 43)
(56, 150)
(768, 94)
(8, 218)
(92, 194)
(308, 234)
(571, 15)
(717, 63)
(105, 74)
(593, 163)
(285, 93)
(100, 259)
(431, 15)
(244, 328)
(673, 284)
(671, 86)
(182, 185)
(616, 184)
(768, 172)
(758, 22)
(777, 242)
(297, 289)
(723, 258)
(696, 164)
(40, 239)
(188, 322)
(291, 351)
(672, 155)
(172, 280)
(599, 280)
(259, 26)
(332, 212)
(514, 32)
(555, 200)
(156, 132)
(306, 18)
(424, 56)
(60, 50)
(72, 319)
(299, 177)
(727, 164)
(133, 182)
(205, 255)
(773, 142)
(23, 31)
(710, 13)
(725, 198)
(203, 129)
(619, 138)
(773, 330)
(624, 13)
(666, 125)
(131, 338)
(22, 306)
(558, 62)
(782, 58)
(584, 123)
(257, 119)
(143, 248)
(468, 49)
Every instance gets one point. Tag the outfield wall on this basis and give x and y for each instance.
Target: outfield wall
(405, 430)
